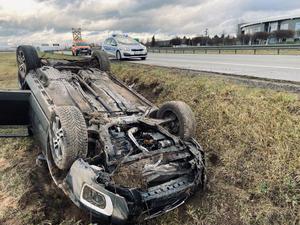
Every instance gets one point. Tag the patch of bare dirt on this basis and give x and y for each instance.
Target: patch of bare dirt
(4, 164)
(7, 202)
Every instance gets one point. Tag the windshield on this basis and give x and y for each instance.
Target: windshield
(126, 40)
(81, 44)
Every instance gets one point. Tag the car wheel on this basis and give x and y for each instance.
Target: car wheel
(100, 60)
(118, 55)
(143, 58)
(27, 59)
(68, 136)
(182, 120)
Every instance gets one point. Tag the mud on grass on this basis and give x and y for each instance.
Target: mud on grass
(251, 137)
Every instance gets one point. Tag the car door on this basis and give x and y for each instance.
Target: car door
(114, 47)
(106, 46)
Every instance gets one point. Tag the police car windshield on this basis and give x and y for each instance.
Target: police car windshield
(126, 40)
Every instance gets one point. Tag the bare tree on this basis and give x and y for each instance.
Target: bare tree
(176, 41)
(283, 34)
(153, 42)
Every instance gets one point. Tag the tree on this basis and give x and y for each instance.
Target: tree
(216, 40)
(184, 41)
(199, 40)
(260, 36)
(244, 38)
(153, 42)
(283, 34)
(175, 41)
(229, 40)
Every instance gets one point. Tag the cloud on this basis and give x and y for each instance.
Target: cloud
(52, 20)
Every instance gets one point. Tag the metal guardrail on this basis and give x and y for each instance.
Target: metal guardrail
(222, 49)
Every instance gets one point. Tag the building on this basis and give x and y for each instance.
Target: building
(271, 25)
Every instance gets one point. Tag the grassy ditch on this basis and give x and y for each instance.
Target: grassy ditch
(251, 138)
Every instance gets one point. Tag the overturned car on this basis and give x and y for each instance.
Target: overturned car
(108, 148)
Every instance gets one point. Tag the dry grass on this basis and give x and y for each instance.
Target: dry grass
(27, 193)
(251, 138)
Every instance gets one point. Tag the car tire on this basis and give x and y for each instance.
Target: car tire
(143, 58)
(68, 136)
(118, 55)
(183, 124)
(101, 59)
(27, 59)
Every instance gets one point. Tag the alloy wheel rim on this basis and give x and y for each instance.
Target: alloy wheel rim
(21, 64)
(57, 140)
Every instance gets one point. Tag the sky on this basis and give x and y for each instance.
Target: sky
(51, 21)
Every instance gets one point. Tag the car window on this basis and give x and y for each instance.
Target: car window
(113, 42)
(126, 40)
(107, 41)
(81, 44)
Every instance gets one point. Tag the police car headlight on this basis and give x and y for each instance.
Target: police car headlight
(96, 200)
(124, 49)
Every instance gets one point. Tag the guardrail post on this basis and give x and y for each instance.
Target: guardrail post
(219, 51)
(205, 51)
(193, 51)
(174, 51)
(278, 51)
(234, 51)
(254, 51)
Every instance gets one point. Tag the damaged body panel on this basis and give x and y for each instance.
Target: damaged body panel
(108, 148)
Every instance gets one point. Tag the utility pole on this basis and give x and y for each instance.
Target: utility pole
(206, 35)
(76, 34)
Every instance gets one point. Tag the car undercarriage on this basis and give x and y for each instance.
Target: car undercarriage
(108, 148)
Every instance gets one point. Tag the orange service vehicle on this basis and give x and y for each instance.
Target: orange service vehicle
(81, 48)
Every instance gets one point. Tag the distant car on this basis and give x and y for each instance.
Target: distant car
(81, 48)
(124, 47)
(45, 47)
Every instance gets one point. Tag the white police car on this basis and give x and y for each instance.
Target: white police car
(124, 47)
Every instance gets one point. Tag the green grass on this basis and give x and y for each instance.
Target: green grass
(251, 138)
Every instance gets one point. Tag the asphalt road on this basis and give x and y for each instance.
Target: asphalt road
(279, 67)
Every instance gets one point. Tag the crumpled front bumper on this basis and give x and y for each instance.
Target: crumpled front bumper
(82, 174)
(133, 204)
